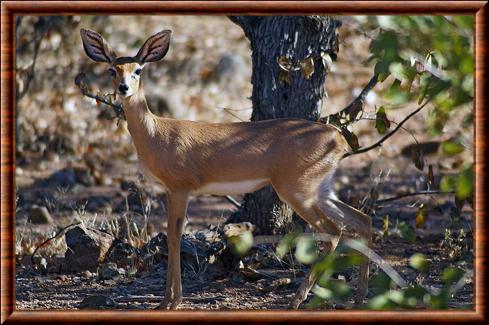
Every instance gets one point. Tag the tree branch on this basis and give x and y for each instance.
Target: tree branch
(394, 198)
(41, 27)
(351, 111)
(387, 136)
(232, 200)
(80, 81)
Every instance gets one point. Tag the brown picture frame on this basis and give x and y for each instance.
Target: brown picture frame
(11, 8)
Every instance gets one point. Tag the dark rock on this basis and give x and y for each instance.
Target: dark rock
(87, 247)
(110, 271)
(64, 178)
(191, 250)
(98, 302)
(40, 215)
(123, 254)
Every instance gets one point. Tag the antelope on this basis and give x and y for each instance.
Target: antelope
(297, 157)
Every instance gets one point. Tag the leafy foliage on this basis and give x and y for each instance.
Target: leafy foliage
(428, 58)
(386, 294)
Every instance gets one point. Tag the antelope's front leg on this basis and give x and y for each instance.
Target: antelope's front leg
(177, 207)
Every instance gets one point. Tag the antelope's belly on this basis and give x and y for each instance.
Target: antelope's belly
(230, 188)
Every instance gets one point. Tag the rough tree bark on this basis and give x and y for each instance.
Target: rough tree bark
(288, 76)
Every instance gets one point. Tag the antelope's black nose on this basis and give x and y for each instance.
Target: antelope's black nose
(123, 88)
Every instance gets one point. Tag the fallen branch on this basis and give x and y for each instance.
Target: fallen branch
(160, 298)
(60, 232)
(394, 198)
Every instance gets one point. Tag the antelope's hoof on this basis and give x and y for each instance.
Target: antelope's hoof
(169, 303)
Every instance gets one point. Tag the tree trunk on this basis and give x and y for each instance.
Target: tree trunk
(288, 54)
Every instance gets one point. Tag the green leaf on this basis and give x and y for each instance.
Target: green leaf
(396, 296)
(407, 232)
(465, 183)
(438, 301)
(380, 283)
(325, 265)
(382, 123)
(306, 250)
(241, 244)
(287, 243)
(347, 261)
(419, 262)
(448, 183)
(452, 147)
(452, 275)
(415, 291)
(437, 86)
(381, 302)
(396, 94)
(335, 289)
(424, 83)
(402, 71)
(382, 70)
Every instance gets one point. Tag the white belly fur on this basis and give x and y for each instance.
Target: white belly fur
(228, 188)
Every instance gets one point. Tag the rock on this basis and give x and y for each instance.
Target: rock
(87, 247)
(64, 178)
(109, 271)
(86, 274)
(123, 254)
(98, 302)
(40, 215)
(192, 252)
(109, 282)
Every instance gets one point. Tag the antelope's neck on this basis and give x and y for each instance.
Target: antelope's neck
(141, 123)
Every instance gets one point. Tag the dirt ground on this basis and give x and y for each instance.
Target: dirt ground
(103, 154)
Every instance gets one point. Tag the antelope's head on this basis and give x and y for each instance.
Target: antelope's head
(125, 70)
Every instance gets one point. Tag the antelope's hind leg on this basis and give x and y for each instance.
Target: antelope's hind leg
(362, 225)
(304, 203)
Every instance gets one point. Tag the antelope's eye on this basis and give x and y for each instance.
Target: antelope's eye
(112, 72)
(138, 71)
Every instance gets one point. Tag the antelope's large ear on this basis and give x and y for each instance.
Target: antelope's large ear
(96, 47)
(155, 47)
